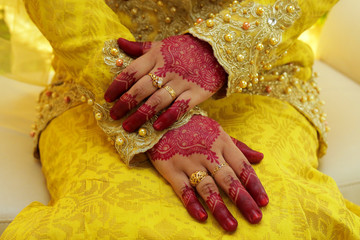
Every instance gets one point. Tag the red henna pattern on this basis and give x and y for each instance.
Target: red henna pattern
(197, 136)
(172, 114)
(129, 99)
(147, 110)
(253, 185)
(192, 204)
(193, 60)
(251, 155)
(214, 200)
(143, 114)
(179, 108)
(125, 79)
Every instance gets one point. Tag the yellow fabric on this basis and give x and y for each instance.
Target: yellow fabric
(95, 196)
(77, 31)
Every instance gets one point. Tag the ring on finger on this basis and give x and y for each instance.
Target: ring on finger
(171, 91)
(156, 80)
(197, 177)
(218, 167)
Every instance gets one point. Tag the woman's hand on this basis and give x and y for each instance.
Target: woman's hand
(186, 64)
(202, 145)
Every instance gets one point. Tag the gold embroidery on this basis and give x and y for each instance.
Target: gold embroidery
(155, 20)
(281, 83)
(244, 38)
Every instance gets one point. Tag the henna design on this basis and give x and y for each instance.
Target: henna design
(244, 201)
(143, 114)
(121, 83)
(197, 136)
(192, 204)
(253, 185)
(220, 212)
(251, 155)
(193, 60)
(172, 114)
(125, 103)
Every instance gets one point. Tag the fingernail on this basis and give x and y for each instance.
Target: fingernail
(264, 200)
(107, 98)
(202, 215)
(158, 125)
(127, 126)
(230, 224)
(255, 216)
(112, 115)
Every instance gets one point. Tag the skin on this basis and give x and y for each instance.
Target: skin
(202, 144)
(185, 63)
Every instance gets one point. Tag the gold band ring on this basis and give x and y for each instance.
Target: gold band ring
(156, 80)
(217, 168)
(197, 177)
(171, 91)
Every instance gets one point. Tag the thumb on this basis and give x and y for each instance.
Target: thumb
(134, 49)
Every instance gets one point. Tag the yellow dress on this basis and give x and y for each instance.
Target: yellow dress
(96, 196)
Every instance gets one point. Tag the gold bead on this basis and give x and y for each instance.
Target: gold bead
(273, 41)
(168, 20)
(249, 85)
(255, 80)
(257, 23)
(281, 78)
(277, 7)
(322, 102)
(90, 102)
(304, 99)
(199, 20)
(134, 11)
(324, 115)
(83, 98)
(268, 89)
(54, 95)
(259, 11)
(315, 110)
(235, 2)
(210, 23)
(114, 52)
(176, 30)
(228, 51)
(119, 141)
(239, 89)
(142, 132)
(243, 84)
(322, 119)
(267, 51)
(282, 27)
(32, 134)
(173, 9)
(119, 62)
(297, 69)
(211, 15)
(267, 66)
(311, 97)
(327, 128)
(252, 62)
(160, 3)
(227, 18)
(316, 74)
(245, 11)
(290, 9)
(246, 25)
(276, 73)
(288, 90)
(261, 78)
(240, 57)
(260, 46)
(98, 116)
(229, 37)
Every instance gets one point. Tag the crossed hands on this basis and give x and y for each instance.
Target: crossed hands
(187, 65)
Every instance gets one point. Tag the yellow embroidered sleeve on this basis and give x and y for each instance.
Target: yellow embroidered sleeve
(77, 30)
(256, 43)
(248, 38)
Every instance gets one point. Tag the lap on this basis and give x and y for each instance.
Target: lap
(94, 195)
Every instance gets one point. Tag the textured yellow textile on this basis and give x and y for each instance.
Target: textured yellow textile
(95, 196)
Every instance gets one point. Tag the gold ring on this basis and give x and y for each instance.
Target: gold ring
(197, 177)
(217, 168)
(171, 91)
(156, 80)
